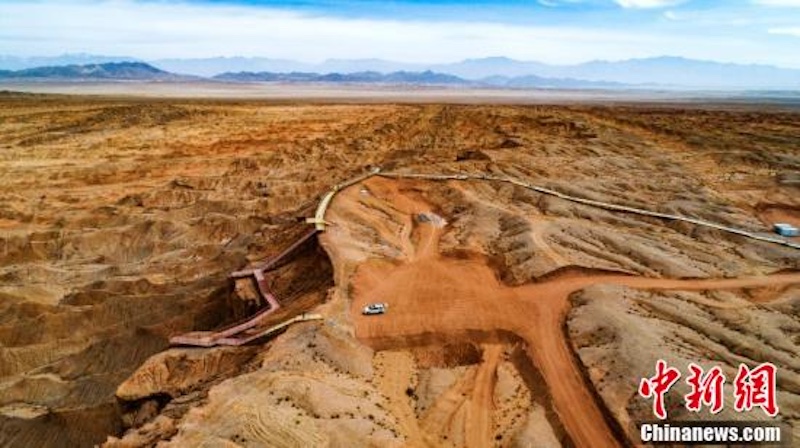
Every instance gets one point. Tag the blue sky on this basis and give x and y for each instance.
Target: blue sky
(554, 31)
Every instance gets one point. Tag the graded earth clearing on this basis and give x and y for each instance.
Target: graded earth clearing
(515, 318)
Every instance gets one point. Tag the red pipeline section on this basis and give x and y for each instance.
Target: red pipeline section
(247, 330)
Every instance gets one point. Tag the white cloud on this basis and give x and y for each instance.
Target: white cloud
(556, 3)
(671, 15)
(647, 4)
(161, 29)
(781, 3)
(789, 31)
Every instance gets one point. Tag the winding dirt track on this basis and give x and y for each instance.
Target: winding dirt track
(463, 413)
(432, 298)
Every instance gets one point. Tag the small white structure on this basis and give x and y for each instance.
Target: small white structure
(785, 229)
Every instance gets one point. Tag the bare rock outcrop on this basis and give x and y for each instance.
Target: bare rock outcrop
(177, 371)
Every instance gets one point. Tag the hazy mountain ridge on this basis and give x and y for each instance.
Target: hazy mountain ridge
(666, 71)
(107, 71)
(533, 81)
(210, 67)
(660, 72)
(400, 77)
(670, 70)
(427, 77)
(13, 63)
(140, 71)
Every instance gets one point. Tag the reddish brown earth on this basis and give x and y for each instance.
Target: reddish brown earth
(435, 298)
(515, 319)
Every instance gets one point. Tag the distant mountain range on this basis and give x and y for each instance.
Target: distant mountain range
(401, 77)
(108, 71)
(21, 63)
(661, 72)
(416, 78)
(140, 71)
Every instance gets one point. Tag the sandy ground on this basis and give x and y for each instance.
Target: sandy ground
(121, 218)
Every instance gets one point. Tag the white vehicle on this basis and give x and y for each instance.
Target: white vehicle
(374, 308)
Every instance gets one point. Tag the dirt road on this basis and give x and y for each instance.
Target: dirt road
(433, 297)
(462, 414)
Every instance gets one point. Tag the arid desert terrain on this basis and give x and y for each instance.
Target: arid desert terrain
(515, 318)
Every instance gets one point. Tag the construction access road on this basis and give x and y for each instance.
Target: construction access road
(436, 298)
